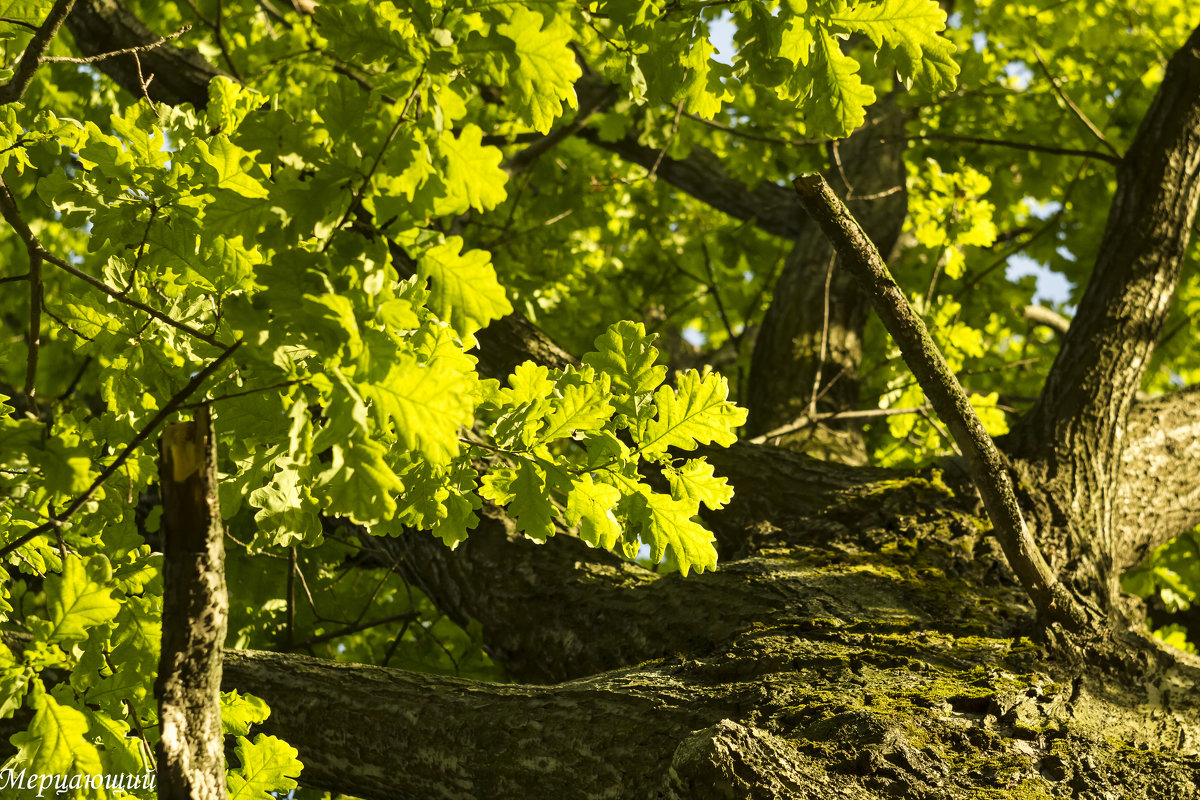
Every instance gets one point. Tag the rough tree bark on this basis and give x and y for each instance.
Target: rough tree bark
(191, 758)
(864, 637)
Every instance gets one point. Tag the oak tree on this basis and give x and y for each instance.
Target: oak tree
(616, 398)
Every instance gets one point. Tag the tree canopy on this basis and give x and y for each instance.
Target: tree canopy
(439, 270)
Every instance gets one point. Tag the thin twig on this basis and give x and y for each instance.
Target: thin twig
(172, 405)
(256, 390)
(1076, 110)
(11, 214)
(31, 59)
(942, 432)
(35, 328)
(290, 631)
(308, 595)
(836, 152)
(116, 295)
(220, 37)
(362, 626)
(141, 48)
(375, 593)
(715, 292)
(807, 421)
(144, 83)
(356, 198)
(980, 140)
(757, 137)
(823, 351)
(75, 380)
(215, 26)
(62, 323)
(667, 145)
(1169, 335)
(1027, 146)
(20, 22)
(133, 715)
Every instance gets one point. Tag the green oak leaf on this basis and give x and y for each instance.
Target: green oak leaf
(590, 507)
(910, 28)
(229, 102)
(14, 682)
(240, 711)
(704, 92)
(286, 515)
(696, 483)
(583, 407)
(663, 522)
(525, 492)
(697, 412)
(627, 354)
(837, 104)
(463, 289)
(546, 68)
(31, 11)
(56, 741)
(460, 517)
(471, 171)
(120, 752)
(426, 405)
(79, 598)
(267, 765)
(359, 484)
(232, 168)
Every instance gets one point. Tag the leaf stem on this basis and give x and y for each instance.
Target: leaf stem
(356, 198)
(1076, 110)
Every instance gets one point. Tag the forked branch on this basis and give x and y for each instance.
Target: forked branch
(947, 397)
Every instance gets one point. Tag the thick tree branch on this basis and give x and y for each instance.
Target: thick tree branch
(561, 610)
(1077, 425)
(434, 736)
(1040, 315)
(944, 392)
(769, 206)
(1158, 484)
(32, 58)
(626, 734)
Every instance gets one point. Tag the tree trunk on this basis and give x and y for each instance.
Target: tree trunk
(191, 762)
